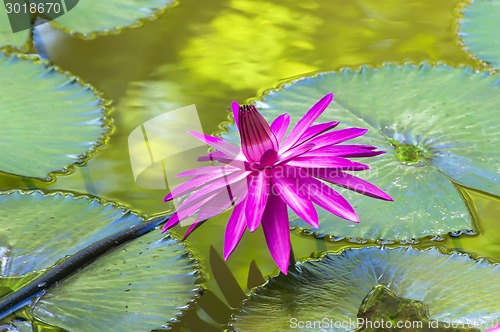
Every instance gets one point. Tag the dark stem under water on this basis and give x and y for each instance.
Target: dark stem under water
(16, 300)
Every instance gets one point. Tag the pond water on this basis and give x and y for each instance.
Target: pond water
(208, 53)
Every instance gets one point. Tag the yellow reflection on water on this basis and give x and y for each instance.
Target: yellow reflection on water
(253, 39)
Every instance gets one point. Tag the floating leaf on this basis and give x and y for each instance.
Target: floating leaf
(49, 120)
(137, 286)
(18, 40)
(454, 287)
(435, 124)
(34, 225)
(89, 17)
(479, 30)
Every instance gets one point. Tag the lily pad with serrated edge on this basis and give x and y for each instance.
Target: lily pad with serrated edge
(479, 30)
(37, 230)
(18, 40)
(89, 18)
(49, 120)
(138, 286)
(435, 123)
(455, 288)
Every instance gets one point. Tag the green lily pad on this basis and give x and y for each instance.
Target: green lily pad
(479, 30)
(18, 40)
(49, 120)
(90, 17)
(435, 125)
(337, 289)
(34, 225)
(138, 286)
(382, 303)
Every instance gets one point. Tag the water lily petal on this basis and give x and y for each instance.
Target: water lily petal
(218, 204)
(268, 158)
(222, 169)
(212, 203)
(236, 109)
(192, 228)
(213, 207)
(187, 211)
(342, 151)
(286, 189)
(337, 136)
(277, 231)
(316, 130)
(256, 135)
(307, 120)
(192, 185)
(200, 181)
(234, 229)
(225, 184)
(295, 152)
(327, 162)
(218, 143)
(172, 222)
(238, 161)
(280, 126)
(349, 181)
(319, 193)
(258, 193)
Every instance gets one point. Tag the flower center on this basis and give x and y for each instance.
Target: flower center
(410, 154)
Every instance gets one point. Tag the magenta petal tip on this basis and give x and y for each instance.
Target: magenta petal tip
(164, 229)
(235, 106)
(354, 219)
(284, 270)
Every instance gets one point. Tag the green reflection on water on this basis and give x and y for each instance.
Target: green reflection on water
(211, 52)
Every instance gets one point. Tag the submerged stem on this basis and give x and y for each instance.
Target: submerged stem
(14, 301)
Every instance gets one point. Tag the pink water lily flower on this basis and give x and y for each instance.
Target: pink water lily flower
(270, 173)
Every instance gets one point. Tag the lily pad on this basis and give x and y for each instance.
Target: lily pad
(90, 17)
(138, 286)
(337, 289)
(49, 120)
(34, 225)
(479, 30)
(18, 40)
(435, 125)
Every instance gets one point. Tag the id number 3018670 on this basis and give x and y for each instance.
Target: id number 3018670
(42, 7)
